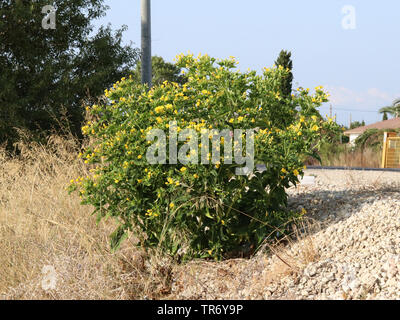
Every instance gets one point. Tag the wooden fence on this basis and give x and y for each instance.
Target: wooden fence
(391, 151)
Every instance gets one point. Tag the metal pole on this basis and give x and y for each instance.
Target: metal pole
(146, 43)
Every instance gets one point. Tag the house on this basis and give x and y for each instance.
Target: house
(386, 124)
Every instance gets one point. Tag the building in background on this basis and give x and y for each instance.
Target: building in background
(353, 134)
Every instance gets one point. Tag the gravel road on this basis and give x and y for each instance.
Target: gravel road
(351, 252)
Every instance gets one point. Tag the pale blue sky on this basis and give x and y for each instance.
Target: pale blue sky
(359, 67)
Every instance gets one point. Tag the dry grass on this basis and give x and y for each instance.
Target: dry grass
(249, 278)
(346, 157)
(295, 251)
(41, 225)
(369, 158)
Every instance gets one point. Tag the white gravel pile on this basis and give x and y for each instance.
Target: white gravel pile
(354, 255)
(359, 247)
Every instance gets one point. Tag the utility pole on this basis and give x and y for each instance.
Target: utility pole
(146, 43)
(350, 122)
(330, 112)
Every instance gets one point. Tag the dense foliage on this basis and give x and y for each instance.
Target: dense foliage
(45, 74)
(284, 60)
(162, 71)
(195, 210)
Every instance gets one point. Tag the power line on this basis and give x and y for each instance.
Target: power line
(348, 109)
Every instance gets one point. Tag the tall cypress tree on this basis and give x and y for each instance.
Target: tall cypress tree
(284, 60)
(385, 116)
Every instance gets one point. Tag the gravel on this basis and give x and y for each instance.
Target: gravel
(352, 250)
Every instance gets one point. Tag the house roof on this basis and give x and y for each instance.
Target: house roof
(386, 124)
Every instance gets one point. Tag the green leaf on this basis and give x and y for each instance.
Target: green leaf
(119, 235)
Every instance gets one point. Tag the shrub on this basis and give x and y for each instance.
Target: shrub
(195, 210)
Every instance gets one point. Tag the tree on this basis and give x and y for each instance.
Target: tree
(393, 110)
(284, 60)
(46, 71)
(357, 124)
(385, 116)
(162, 71)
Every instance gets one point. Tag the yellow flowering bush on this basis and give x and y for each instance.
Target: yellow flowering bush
(199, 210)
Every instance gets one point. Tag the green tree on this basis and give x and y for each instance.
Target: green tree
(45, 72)
(162, 71)
(284, 60)
(385, 116)
(393, 110)
(356, 124)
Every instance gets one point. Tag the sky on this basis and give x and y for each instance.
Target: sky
(350, 47)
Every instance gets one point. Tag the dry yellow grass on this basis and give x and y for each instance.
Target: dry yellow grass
(368, 158)
(41, 225)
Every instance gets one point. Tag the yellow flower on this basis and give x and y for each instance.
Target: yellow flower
(159, 109)
(139, 180)
(296, 173)
(196, 176)
(171, 205)
(183, 169)
(283, 170)
(315, 128)
(139, 156)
